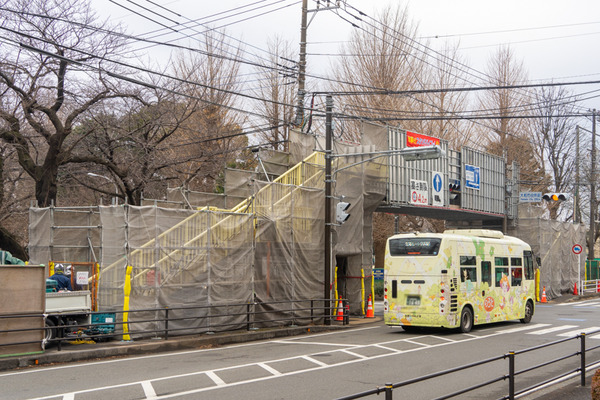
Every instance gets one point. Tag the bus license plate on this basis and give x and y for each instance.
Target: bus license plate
(413, 301)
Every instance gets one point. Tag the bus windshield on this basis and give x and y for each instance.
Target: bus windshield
(414, 246)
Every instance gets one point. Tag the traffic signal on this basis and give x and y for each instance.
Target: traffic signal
(454, 188)
(555, 196)
(340, 212)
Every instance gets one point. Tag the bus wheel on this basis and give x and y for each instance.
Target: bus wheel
(466, 320)
(528, 312)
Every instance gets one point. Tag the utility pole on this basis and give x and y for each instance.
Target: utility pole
(328, 191)
(593, 191)
(576, 212)
(302, 65)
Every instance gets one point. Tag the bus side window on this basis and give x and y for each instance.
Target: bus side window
(499, 273)
(516, 275)
(486, 272)
(529, 268)
(468, 273)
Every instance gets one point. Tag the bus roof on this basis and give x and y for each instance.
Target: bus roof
(467, 234)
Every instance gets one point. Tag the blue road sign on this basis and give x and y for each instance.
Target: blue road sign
(472, 177)
(378, 274)
(437, 182)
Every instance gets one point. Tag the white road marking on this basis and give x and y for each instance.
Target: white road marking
(269, 368)
(443, 338)
(417, 343)
(388, 348)
(312, 360)
(148, 390)
(553, 329)
(587, 303)
(527, 327)
(317, 343)
(218, 381)
(580, 303)
(354, 354)
(578, 331)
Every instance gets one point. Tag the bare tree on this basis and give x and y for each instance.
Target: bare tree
(45, 84)
(554, 131)
(213, 133)
(447, 70)
(507, 134)
(379, 56)
(128, 144)
(277, 88)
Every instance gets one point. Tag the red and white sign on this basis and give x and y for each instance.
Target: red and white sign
(414, 139)
(577, 249)
(419, 192)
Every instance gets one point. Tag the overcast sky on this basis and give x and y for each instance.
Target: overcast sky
(556, 40)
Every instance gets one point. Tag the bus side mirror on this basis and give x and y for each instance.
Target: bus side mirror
(539, 261)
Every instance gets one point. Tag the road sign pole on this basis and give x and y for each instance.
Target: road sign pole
(579, 272)
(577, 249)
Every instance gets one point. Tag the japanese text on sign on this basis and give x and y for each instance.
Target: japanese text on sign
(419, 192)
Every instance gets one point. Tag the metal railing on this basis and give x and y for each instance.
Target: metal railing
(590, 286)
(510, 376)
(184, 321)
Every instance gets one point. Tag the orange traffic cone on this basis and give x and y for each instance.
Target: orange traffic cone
(340, 313)
(575, 289)
(370, 313)
(544, 299)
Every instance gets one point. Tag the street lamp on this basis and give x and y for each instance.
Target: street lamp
(421, 153)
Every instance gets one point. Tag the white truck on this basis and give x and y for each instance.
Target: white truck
(67, 308)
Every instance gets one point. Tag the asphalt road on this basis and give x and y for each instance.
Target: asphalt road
(329, 365)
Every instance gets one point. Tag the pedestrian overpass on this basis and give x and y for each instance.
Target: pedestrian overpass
(461, 186)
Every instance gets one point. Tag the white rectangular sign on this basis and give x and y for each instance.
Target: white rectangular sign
(82, 278)
(530, 197)
(419, 192)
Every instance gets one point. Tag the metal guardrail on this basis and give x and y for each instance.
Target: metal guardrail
(307, 311)
(511, 375)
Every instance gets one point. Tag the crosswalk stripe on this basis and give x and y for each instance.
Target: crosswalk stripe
(578, 331)
(595, 337)
(527, 327)
(553, 329)
(588, 304)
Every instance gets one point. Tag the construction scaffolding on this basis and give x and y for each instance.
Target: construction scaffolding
(552, 241)
(267, 248)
